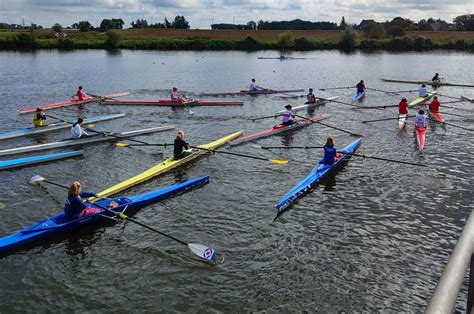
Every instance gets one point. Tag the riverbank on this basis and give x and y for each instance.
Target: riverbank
(246, 40)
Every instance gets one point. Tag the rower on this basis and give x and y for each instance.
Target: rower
(254, 87)
(360, 87)
(420, 120)
(74, 206)
(310, 98)
(76, 130)
(288, 117)
(39, 117)
(434, 105)
(175, 96)
(403, 107)
(423, 91)
(81, 95)
(436, 78)
(330, 152)
(180, 145)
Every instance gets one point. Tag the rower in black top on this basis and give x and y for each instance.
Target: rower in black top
(180, 145)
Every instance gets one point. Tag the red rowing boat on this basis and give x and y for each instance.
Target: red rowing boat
(69, 103)
(420, 137)
(279, 128)
(169, 103)
(437, 115)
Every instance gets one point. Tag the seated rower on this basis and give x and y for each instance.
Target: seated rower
(330, 152)
(254, 87)
(310, 98)
(360, 87)
(436, 78)
(39, 117)
(74, 206)
(180, 145)
(288, 117)
(81, 95)
(76, 130)
(403, 107)
(434, 105)
(175, 96)
(420, 120)
(423, 91)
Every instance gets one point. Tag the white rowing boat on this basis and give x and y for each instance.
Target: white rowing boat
(434, 83)
(321, 101)
(55, 126)
(82, 141)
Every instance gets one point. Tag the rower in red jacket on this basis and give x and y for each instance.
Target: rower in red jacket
(403, 107)
(81, 95)
(434, 105)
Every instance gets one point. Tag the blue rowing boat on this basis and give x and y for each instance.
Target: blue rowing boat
(358, 96)
(32, 160)
(319, 172)
(60, 223)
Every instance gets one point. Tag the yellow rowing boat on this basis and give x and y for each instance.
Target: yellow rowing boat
(167, 165)
(420, 100)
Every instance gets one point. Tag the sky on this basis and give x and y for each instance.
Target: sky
(202, 13)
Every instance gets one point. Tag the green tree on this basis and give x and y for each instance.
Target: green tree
(286, 40)
(395, 31)
(180, 22)
(84, 26)
(343, 24)
(464, 22)
(57, 28)
(349, 39)
(113, 40)
(374, 30)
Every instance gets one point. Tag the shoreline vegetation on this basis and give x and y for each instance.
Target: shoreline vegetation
(243, 40)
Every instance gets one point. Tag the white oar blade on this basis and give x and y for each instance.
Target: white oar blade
(202, 251)
(36, 178)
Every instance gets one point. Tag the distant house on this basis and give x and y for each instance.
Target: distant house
(363, 24)
(439, 27)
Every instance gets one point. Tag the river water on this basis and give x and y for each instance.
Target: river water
(375, 237)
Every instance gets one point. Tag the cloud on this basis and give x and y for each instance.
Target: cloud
(200, 13)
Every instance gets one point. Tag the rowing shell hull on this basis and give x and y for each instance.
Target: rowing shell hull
(437, 116)
(260, 92)
(321, 101)
(168, 103)
(421, 100)
(319, 172)
(166, 165)
(402, 121)
(420, 137)
(358, 96)
(427, 83)
(27, 161)
(55, 126)
(277, 129)
(60, 224)
(82, 141)
(467, 98)
(69, 103)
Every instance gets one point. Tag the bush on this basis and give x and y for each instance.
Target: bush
(395, 31)
(303, 44)
(66, 44)
(57, 27)
(374, 30)
(26, 41)
(408, 43)
(349, 39)
(419, 44)
(286, 40)
(248, 44)
(372, 44)
(113, 40)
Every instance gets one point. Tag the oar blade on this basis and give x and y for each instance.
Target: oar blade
(35, 179)
(279, 161)
(121, 144)
(203, 251)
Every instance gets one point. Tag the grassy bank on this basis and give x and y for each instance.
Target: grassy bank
(247, 40)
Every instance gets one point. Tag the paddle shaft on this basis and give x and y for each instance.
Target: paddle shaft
(99, 132)
(334, 88)
(397, 118)
(229, 153)
(327, 125)
(386, 159)
(266, 117)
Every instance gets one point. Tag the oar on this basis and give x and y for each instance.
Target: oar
(101, 97)
(266, 117)
(343, 103)
(329, 126)
(200, 250)
(452, 114)
(376, 107)
(457, 126)
(186, 101)
(275, 91)
(99, 132)
(385, 119)
(275, 161)
(383, 91)
(447, 96)
(334, 88)
(353, 154)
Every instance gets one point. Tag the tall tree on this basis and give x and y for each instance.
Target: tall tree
(464, 22)
(343, 24)
(180, 22)
(84, 26)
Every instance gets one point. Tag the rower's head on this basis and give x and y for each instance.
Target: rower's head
(288, 107)
(311, 90)
(329, 142)
(79, 121)
(437, 74)
(423, 85)
(435, 98)
(39, 110)
(80, 87)
(75, 188)
(404, 99)
(253, 80)
(175, 89)
(362, 81)
(421, 111)
(180, 134)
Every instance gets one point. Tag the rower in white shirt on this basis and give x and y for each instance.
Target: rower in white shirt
(423, 91)
(76, 130)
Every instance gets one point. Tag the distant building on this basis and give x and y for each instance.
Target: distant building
(439, 27)
(363, 24)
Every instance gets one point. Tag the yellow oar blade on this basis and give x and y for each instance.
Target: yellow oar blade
(279, 161)
(91, 125)
(121, 144)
